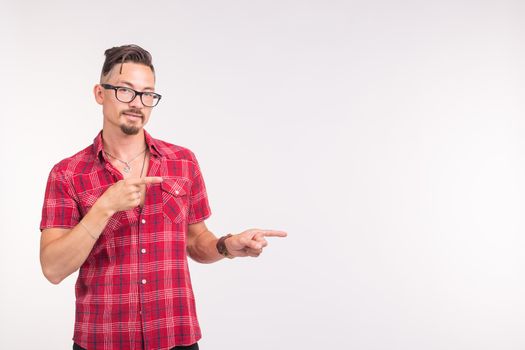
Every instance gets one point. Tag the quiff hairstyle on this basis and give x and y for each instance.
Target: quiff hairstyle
(125, 53)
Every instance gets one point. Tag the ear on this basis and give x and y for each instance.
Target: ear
(99, 94)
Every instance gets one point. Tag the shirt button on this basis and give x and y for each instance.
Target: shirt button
(143, 250)
(143, 281)
(143, 221)
(176, 192)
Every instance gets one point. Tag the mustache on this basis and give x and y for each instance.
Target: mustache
(133, 111)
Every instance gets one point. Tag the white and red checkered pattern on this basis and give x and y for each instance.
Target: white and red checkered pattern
(134, 289)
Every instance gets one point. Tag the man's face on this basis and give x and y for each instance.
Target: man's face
(129, 117)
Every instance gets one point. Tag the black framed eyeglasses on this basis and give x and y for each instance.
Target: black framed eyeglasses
(126, 95)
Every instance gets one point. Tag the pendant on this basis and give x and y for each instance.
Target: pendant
(127, 168)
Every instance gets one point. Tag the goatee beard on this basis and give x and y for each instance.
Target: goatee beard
(129, 129)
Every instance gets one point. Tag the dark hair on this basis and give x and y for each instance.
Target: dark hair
(126, 53)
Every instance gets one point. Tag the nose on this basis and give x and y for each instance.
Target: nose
(136, 103)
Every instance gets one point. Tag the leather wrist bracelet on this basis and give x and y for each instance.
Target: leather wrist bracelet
(221, 247)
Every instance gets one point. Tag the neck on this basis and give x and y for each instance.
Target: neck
(121, 145)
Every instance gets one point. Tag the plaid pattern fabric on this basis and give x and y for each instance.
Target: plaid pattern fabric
(134, 289)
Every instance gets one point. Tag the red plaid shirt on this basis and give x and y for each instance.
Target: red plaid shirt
(134, 289)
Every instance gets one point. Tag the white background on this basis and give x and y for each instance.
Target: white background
(384, 136)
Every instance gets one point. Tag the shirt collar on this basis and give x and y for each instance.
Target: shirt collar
(154, 149)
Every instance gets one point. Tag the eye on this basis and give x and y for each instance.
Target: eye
(151, 95)
(124, 90)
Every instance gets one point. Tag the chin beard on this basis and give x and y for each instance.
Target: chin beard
(129, 129)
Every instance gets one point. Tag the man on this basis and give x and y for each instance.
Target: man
(127, 211)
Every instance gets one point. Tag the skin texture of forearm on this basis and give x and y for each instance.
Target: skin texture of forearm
(63, 251)
(202, 247)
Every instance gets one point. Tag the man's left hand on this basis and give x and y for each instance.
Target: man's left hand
(250, 242)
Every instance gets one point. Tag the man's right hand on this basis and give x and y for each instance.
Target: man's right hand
(63, 251)
(125, 194)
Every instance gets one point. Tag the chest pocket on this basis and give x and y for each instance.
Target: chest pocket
(175, 198)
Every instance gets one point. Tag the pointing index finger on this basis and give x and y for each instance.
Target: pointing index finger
(152, 180)
(273, 233)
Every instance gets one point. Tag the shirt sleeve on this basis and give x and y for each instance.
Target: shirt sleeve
(199, 206)
(60, 209)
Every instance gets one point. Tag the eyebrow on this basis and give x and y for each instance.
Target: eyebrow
(132, 86)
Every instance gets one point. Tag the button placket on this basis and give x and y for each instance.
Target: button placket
(143, 281)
